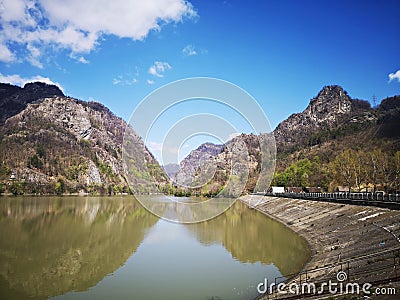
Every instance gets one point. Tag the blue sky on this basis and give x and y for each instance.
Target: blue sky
(281, 52)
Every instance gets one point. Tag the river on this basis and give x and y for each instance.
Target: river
(112, 248)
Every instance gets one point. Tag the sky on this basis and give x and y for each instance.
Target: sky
(281, 52)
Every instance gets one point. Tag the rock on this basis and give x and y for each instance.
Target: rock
(331, 106)
(62, 138)
(14, 99)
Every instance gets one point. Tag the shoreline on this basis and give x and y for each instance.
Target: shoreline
(335, 232)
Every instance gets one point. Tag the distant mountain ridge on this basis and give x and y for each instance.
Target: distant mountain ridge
(50, 143)
(171, 169)
(332, 122)
(209, 169)
(61, 144)
(195, 160)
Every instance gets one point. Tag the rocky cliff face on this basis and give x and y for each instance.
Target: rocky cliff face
(14, 99)
(330, 112)
(198, 158)
(232, 168)
(63, 144)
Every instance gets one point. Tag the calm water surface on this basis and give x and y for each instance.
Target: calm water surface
(112, 248)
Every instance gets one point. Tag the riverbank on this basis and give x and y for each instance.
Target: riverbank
(335, 232)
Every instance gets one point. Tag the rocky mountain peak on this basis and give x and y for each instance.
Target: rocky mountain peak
(209, 148)
(331, 102)
(330, 107)
(331, 91)
(14, 99)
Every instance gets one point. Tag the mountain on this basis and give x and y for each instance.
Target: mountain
(186, 173)
(333, 121)
(61, 144)
(340, 141)
(14, 99)
(389, 117)
(228, 169)
(50, 143)
(331, 109)
(309, 142)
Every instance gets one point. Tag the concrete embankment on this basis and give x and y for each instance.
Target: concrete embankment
(335, 232)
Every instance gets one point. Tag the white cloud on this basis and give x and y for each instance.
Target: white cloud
(121, 81)
(116, 81)
(158, 68)
(83, 60)
(78, 25)
(5, 54)
(79, 58)
(189, 50)
(149, 81)
(16, 79)
(34, 56)
(125, 80)
(393, 76)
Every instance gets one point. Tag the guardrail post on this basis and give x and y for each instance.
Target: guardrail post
(348, 271)
(394, 262)
(300, 280)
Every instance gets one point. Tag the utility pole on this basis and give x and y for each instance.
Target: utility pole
(374, 100)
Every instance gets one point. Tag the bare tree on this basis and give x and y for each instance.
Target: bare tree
(375, 157)
(396, 170)
(343, 167)
(386, 169)
(360, 176)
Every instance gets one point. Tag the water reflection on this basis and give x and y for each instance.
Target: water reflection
(51, 246)
(186, 210)
(66, 247)
(252, 237)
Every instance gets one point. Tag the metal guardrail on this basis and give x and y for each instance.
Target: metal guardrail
(375, 199)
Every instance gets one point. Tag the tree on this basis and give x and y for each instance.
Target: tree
(60, 186)
(396, 171)
(375, 158)
(367, 168)
(297, 174)
(17, 188)
(386, 169)
(343, 168)
(35, 162)
(360, 176)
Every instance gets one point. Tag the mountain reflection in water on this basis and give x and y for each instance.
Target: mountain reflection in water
(50, 246)
(65, 248)
(252, 237)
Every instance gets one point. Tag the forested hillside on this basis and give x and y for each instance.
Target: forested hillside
(335, 142)
(50, 143)
(357, 147)
(57, 144)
